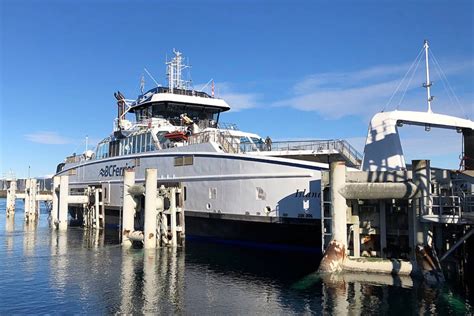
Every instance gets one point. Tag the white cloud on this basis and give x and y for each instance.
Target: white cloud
(46, 137)
(237, 101)
(367, 91)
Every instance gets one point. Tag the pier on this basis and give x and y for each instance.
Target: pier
(394, 222)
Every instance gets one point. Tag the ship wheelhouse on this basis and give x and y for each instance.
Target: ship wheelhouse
(161, 103)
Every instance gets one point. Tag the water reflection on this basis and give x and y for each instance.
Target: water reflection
(80, 271)
(59, 261)
(9, 230)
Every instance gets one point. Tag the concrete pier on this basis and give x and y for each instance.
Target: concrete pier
(395, 217)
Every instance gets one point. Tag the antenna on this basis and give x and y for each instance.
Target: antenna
(149, 74)
(428, 83)
(142, 84)
(175, 68)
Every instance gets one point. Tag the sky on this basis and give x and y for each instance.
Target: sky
(289, 69)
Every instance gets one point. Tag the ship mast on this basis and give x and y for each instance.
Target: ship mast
(175, 69)
(428, 83)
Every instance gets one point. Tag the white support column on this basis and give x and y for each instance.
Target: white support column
(338, 202)
(150, 208)
(383, 228)
(63, 202)
(55, 209)
(11, 198)
(34, 211)
(96, 209)
(129, 205)
(174, 235)
(356, 232)
(335, 253)
(27, 198)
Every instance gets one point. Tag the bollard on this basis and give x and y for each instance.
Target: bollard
(129, 204)
(55, 208)
(174, 237)
(11, 198)
(336, 251)
(63, 202)
(150, 208)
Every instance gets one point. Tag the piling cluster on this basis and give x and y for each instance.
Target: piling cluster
(31, 197)
(162, 212)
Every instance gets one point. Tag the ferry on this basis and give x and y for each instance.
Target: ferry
(237, 186)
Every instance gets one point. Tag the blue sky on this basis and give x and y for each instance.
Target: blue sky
(289, 69)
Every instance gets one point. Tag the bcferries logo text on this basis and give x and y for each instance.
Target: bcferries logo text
(113, 170)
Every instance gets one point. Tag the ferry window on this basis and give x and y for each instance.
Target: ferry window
(128, 148)
(149, 143)
(143, 143)
(122, 146)
(114, 148)
(188, 160)
(178, 161)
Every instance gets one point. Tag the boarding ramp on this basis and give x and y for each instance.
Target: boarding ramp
(324, 151)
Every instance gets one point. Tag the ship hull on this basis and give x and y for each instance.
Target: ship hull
(254, 201)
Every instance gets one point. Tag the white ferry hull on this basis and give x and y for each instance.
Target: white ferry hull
(239, 197)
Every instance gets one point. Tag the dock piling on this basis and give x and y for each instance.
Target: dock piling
(63, 202)
(11, 197)
(174, 235)
(55, 208)
(336, 250)
(150, 208)
(129, 205)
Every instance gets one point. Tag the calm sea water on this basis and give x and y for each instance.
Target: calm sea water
(43, 271)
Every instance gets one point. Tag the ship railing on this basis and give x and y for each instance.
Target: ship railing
(317, 146)
(228, 143)
(228, 126)
(444, 205)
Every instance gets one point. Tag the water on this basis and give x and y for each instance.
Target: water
(44, 271)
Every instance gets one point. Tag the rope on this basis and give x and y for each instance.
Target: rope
(447, 85)
(401, 81)
(409, 81)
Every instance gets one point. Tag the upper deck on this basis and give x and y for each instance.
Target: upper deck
(192, 98)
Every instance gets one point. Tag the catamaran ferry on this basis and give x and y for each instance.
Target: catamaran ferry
(236, 185)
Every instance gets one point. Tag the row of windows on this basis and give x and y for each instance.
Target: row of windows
(130, 145)
(172, 112)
